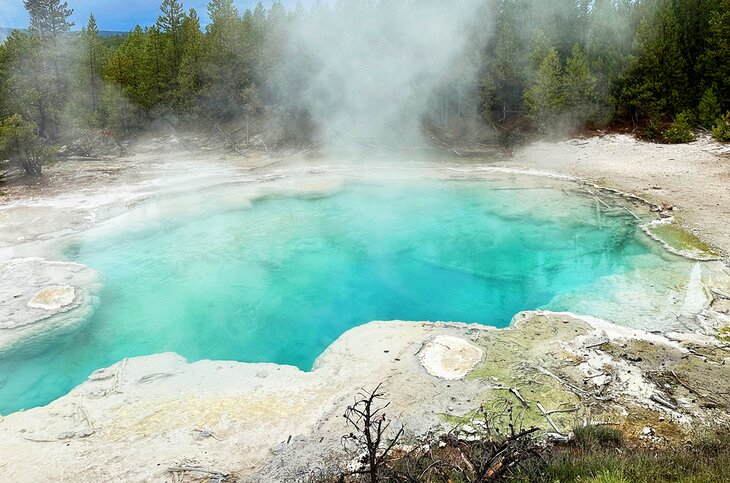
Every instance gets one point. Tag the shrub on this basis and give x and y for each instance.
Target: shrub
(370, 425)
(721, 131)
(709, 108)
(653, 129)
(681, 129)
(20, 145)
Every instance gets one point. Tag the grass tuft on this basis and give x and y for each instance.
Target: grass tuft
(598, 437)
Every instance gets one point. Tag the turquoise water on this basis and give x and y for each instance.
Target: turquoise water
(281, 280)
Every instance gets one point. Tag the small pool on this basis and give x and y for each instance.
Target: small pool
(279, 278)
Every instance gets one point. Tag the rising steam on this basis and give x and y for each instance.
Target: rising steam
(367, 71)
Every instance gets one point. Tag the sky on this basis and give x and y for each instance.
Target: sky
(114, 14)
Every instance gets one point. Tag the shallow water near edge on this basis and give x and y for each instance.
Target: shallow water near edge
(280, 280)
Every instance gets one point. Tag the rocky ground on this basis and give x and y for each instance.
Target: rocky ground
(160, 418)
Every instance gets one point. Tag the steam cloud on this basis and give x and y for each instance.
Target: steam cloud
(374, 66)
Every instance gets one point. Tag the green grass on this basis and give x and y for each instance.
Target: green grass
(705, 460)
(598, 437)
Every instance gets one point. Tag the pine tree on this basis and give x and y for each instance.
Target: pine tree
(715, 62)
(271, 53)
(545, 98)
(502, 88)
(227, 58)
(91, 71)
(651, 58)
(43, 73)
(709, 109)
(132, 68)
(28, 86)
(4, 82)
(298, 12)
(171, 19)
(694, 24)
(191, 77)
(222, 12)
(48, 18)
(657, 84)
(169, 24)
(258, 16)
(579, 87)
(155, 58)
(120, 70)
(608, 49)
(563, 23)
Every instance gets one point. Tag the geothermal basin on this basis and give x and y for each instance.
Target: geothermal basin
(275, 267)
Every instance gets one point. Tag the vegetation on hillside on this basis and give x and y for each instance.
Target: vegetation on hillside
(662, 66)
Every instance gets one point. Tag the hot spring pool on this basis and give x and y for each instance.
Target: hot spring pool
(280, 279)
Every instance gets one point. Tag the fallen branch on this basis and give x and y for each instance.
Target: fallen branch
(663, 402)
(699, 355)
(230, 144)
(597, 344)
(606, 205)
(40, 440)
(568, 410)
(574, 389)
(549, 419)
(516, 393)
(632, 213)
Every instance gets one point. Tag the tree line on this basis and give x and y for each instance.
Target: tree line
(589, 63)
(660, 66)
